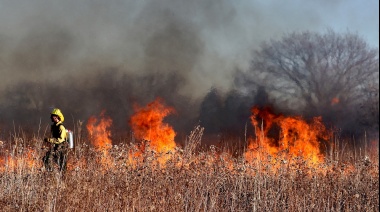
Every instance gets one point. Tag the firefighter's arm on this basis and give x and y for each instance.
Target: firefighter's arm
(53, 140)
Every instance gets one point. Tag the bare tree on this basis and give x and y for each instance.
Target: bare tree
(315, 73)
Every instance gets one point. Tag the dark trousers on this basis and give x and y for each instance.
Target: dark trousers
(57, 154)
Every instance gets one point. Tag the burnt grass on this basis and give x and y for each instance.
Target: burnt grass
(189, 180)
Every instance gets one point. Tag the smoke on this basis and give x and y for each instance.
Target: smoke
(86, 56)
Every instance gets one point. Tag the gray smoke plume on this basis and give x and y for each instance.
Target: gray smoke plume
(88, 56)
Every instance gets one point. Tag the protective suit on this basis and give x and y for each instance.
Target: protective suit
(59, 147)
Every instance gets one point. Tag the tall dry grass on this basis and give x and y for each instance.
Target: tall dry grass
(190, 180)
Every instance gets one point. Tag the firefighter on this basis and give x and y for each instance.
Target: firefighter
(57, 152)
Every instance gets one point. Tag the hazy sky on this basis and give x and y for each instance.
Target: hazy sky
(204, 40)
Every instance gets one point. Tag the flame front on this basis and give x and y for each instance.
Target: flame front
(296, 137)
(147, 124)
(99, 131)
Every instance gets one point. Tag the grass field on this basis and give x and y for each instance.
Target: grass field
(127, 177)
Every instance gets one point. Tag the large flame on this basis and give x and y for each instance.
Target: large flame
(296, 137)
(100, 134)
(147, 124)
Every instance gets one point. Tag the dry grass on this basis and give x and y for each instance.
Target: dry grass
(189, 181)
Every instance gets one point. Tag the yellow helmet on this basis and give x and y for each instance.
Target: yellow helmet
(58, 113)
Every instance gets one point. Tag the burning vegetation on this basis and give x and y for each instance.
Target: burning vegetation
(317, 152)
(296, 138)
(148, 124)
(100, 136)
(151, 172)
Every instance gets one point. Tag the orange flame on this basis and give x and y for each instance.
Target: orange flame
(101, 135)
(147, 124)
(297, 138)
(25, 161)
